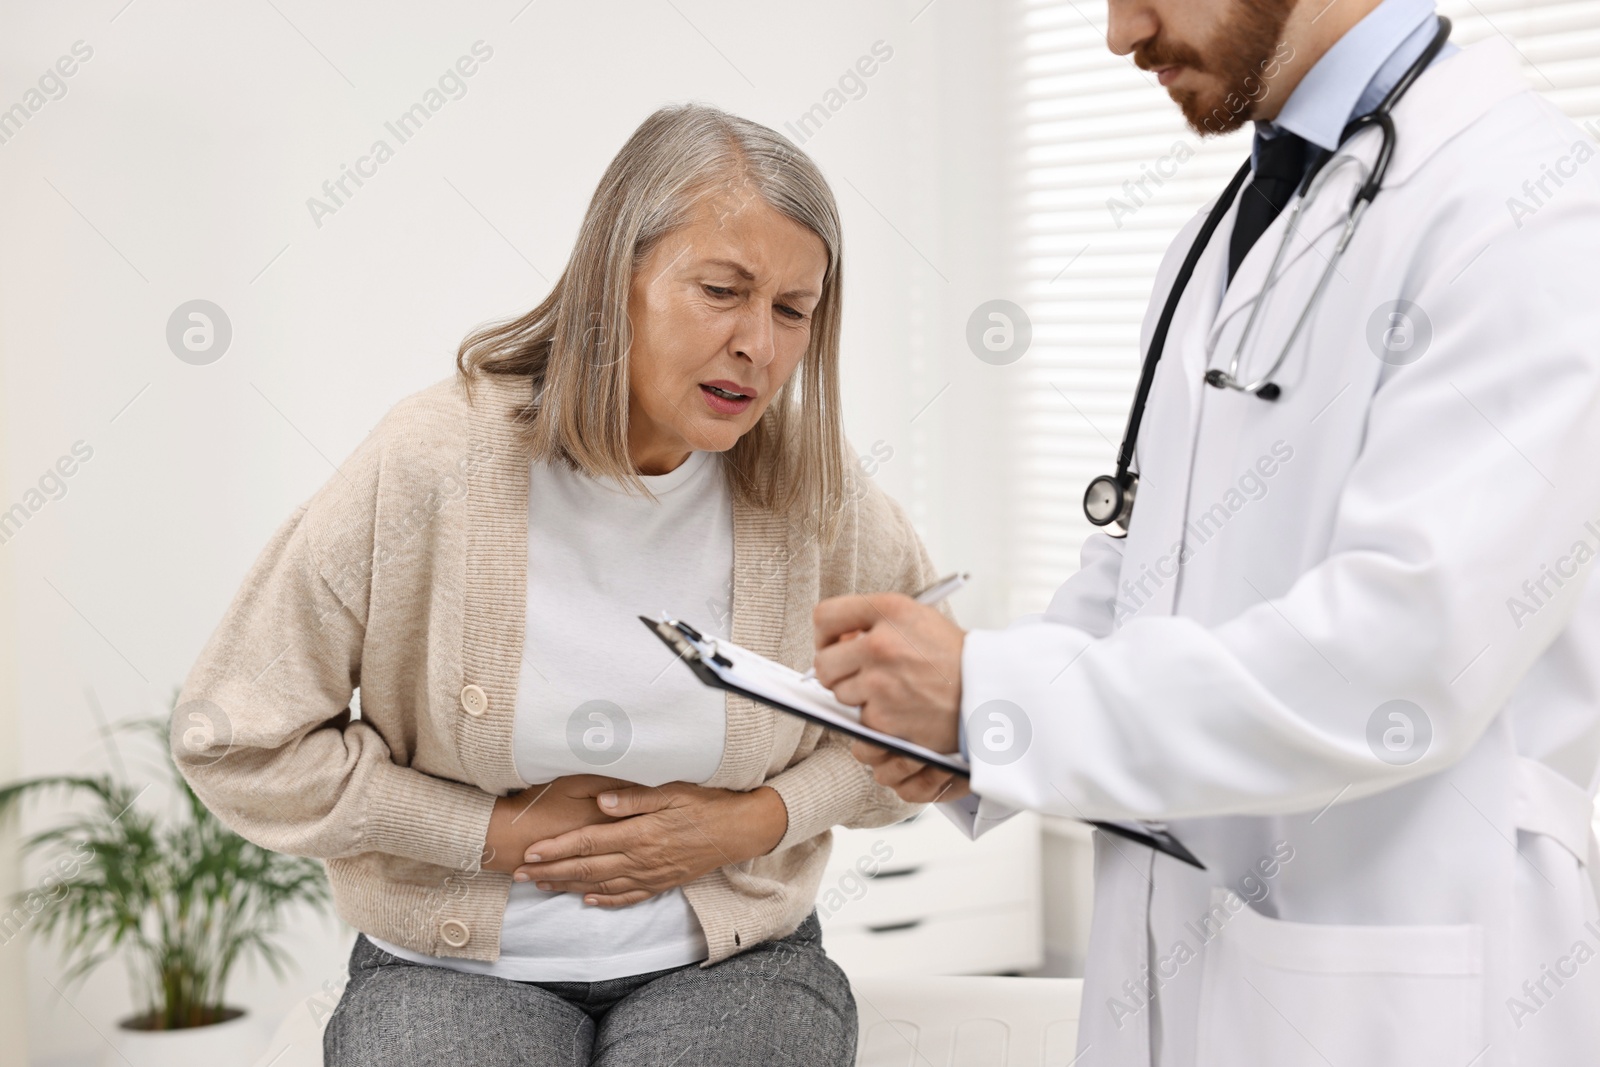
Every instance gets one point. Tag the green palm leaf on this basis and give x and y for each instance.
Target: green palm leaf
(180, 901)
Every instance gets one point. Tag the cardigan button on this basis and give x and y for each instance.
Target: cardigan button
(454, 932)
(474, 701)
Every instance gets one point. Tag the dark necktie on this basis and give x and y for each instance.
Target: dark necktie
(1280, 163)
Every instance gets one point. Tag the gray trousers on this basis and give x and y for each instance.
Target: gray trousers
(783, 1003)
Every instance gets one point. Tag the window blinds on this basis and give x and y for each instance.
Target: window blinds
(1104, 174)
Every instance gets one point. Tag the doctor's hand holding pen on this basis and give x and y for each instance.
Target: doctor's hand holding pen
(899, 658)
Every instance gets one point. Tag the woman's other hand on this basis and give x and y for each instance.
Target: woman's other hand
(544, 811)
(914, 781)
(662, 837)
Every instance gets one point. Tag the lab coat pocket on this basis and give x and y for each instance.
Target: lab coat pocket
(1287, 994)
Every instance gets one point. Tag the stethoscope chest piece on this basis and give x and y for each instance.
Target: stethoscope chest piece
(1108, 501)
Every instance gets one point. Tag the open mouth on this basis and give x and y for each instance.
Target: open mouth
(725, 397)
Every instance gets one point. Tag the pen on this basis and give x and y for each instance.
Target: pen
(940, 590)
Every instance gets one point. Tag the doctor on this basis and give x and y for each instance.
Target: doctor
(1349, 648)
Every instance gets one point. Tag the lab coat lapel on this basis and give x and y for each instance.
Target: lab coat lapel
(1166, 441)
(1201, 337)
(1446, 99)
(1310, 246)
(1449, 98)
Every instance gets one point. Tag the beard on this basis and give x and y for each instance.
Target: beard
(1243, 58)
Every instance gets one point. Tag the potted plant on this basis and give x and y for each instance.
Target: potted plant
(180, 900)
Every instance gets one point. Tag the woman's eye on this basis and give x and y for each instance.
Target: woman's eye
(792, 313)
(719, 291)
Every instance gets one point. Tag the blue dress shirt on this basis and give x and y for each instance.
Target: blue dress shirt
(1356, 73)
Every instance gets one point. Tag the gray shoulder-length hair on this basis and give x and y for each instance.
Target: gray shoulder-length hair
(574, 345)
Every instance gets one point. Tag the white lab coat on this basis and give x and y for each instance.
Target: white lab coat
(1362, 540)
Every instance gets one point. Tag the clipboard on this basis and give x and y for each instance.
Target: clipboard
(724, 665)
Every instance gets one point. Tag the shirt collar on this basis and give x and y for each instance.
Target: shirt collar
(1356, 73)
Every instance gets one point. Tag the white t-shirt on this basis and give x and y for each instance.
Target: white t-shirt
(598, 693)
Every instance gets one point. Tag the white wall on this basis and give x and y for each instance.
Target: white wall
(177, 166)
(13, 992)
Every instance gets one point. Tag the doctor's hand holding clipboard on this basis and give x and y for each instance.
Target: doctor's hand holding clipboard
(903, 668)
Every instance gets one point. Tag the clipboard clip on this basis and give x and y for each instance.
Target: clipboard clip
(688, 642)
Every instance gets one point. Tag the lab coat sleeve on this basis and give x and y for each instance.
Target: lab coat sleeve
(1084, 601)
(1475, 475)
(975, 816)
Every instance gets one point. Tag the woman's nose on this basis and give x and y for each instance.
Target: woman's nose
(753, 340)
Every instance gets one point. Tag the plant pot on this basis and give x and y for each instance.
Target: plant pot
(238, 1040)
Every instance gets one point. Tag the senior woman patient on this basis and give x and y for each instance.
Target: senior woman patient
(557, 845)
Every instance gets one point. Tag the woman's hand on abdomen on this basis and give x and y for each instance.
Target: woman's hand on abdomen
(664, 837)
(541, 812)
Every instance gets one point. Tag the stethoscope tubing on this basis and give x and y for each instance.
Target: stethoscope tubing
(1358, 208)
(1158, 337)
(1124, 481)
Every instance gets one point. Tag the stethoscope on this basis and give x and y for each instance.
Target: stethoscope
(1109, 498)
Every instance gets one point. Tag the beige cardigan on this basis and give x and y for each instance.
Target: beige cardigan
(405, 575)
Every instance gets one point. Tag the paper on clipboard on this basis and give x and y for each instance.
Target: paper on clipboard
(725, 665)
